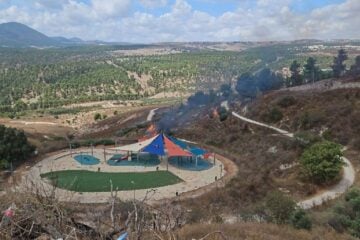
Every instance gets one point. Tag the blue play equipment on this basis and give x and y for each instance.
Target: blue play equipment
(148, 160)
(190, 163)
(86, 159)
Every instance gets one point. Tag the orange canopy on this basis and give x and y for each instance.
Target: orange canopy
(174, 150)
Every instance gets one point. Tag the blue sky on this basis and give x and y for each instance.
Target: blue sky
(187, 20)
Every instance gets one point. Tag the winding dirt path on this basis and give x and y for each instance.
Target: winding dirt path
(347, 180)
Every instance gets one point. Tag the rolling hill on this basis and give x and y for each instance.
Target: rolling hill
(13, 34)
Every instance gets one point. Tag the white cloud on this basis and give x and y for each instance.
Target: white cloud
(110, 8)
(153, 3)
(50, 4)
(116, 21)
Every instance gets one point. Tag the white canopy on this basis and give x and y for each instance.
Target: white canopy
(135, 147)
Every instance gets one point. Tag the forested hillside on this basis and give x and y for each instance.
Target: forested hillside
(33, 78)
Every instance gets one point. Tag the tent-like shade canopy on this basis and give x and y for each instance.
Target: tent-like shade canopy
(160, 145)
(136, 147)
(156, 146)
(174, 150)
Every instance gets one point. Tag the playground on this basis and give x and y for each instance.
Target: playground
(165, 166)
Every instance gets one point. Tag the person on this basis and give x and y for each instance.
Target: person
(123, 236)
(8, 215)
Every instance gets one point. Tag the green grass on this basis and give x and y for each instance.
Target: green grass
(87, 181)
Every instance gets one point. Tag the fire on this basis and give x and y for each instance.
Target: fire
(215, 113)
(151, 131)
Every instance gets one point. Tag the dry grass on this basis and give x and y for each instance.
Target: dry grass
(336, 113)
(259, 231)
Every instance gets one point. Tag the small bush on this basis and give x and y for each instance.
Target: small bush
(311, 119)
(286, 101)
(306, 139)
(106, 142)
(352, 194)
(279, 207)
(223, 114)
(274, 115)
(97, 116)
(300, 220)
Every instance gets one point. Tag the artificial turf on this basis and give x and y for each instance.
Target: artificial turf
(87, 181)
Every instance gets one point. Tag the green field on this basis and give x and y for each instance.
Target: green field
(87, 181)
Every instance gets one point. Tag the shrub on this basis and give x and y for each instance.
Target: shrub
(311, 119)
(352, 194)
(97, 116)
(346, 215)
(300, 220)
(322, 162)
(223, 114)
(306, 139)
(274, 115)
(106, 142)
(279, 207)
(286, 101)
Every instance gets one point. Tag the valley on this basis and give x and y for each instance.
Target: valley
(177, 140)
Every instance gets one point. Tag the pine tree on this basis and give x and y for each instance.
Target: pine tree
(296, 78)
(355, 69)
(311, 71)
(338, 66)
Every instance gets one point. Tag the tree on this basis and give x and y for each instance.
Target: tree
(246, 86)
(296, 78)
(311, 71)
(338, 66)
(322, 162)
(355, 69)
(223, 113)
(225, 90)
(212, 95)
(14, 146)
(267, 80)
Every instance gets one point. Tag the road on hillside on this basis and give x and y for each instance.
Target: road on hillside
(347, 180)
(151, 114)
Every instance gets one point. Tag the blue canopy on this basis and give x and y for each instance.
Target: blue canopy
(180, 143)
(197, 151)
(156, 146)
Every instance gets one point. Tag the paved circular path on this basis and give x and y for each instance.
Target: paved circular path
(193, 180)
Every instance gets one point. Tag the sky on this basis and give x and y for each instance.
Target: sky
(149, 21)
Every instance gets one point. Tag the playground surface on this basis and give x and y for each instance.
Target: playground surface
(88, 181)
(170, 184)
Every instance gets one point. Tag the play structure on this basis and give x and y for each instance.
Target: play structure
(162, 148)
(85, 159)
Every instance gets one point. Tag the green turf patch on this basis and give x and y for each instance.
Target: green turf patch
(87, 181)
